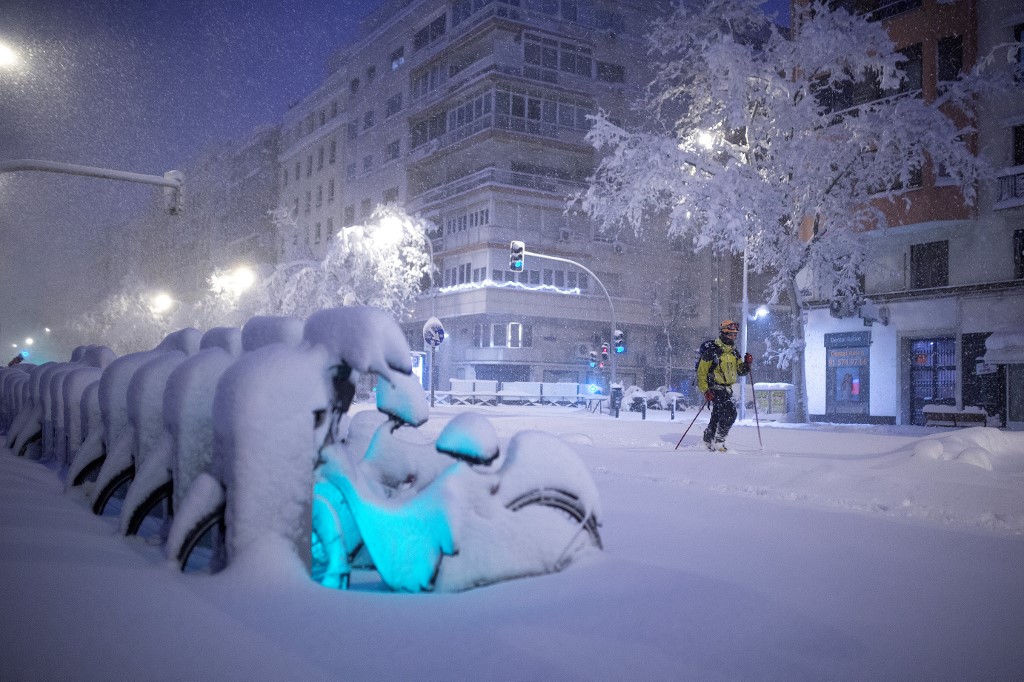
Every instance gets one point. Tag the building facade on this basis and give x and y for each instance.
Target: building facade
(473, 113)
(949, 275)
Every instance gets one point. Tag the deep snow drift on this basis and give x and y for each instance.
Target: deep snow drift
(837, 552)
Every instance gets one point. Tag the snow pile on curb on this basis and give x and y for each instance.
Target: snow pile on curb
(990, 449)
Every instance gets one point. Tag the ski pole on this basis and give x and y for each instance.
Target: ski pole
(756, 419)
(705, 404)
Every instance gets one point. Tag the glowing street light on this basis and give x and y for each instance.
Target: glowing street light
(161, 303)
(8, 57)
(29, 341)
(234, 282)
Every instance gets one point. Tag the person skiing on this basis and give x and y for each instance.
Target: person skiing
(717, 370)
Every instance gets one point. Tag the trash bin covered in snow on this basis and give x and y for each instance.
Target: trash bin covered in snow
(775, 401)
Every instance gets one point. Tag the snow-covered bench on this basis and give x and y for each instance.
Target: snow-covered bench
(558, 393)
(520, 392)
(950, 415)
(473, 392)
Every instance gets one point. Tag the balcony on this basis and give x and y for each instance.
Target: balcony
(502, 178)
(1011, 188)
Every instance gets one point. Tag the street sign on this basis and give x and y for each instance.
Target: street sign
(433, 332)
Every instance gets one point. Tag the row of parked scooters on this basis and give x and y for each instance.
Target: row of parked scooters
(219, 443)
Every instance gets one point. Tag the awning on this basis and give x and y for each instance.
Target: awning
(1004, 348)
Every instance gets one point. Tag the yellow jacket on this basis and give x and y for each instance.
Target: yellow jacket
(720, 365)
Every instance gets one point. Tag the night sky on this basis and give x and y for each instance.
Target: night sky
(138, 86)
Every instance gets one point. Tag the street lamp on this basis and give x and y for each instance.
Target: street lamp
(161, 303)
(745, 315)
(8, 57)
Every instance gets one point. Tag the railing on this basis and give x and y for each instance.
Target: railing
(499, 176)
(1011, 188)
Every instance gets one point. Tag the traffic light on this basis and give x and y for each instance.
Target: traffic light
(620, 341)
(604, 352)
(516, 256)
(174, 196)
(593, 358)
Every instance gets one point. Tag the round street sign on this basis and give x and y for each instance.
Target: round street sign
(433, 332)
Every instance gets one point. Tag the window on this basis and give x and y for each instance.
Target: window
(367, 163)
(1018, 37)
(350, 171)
(611, 73)
(368, 119)
(393, 150)
(393, 106)
(391, 195)
(318, 233)
(350, 214)
(1018, 254)
(298, 170)
(365, 208)
(929, 265)
(429, 33)
(950, 58)
(295, 208)
(309, 201)
(429, 129)
(330, 227)
(334, 108)
(320, 158)
(550, 54)
(333, 155)
(515, 111)
(609, 21)
(1018, 145)
(397, 58)
(876, 10)
(566, 9)
(319, 196)
(464, 9)
(371, 73)
(330, 191)
(309, 166)
(323, 117)
(353, 86)
(352, 130)
(285, 183)
(503, 335)
(911, 69)
(428, 80)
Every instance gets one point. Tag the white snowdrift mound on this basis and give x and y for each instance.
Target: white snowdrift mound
(990, 449)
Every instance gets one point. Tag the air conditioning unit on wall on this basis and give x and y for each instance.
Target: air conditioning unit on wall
(583, 350)
(564, 235)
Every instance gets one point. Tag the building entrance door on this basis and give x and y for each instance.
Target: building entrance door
(932, 374)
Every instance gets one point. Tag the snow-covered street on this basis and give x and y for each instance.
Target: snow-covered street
(837, 552)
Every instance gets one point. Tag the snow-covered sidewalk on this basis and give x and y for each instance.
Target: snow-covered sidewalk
(837, 552)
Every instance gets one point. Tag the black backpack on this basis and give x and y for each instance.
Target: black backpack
(704, 348)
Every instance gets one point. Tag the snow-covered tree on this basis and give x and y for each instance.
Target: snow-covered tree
(790, 147)
(381, 263)
(134, 318)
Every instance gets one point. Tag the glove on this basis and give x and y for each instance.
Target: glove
(748, 359)
(709, 395)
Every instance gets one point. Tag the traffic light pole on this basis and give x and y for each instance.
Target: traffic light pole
(172, 181)
(601, 284)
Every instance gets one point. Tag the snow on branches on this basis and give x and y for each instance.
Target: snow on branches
(790, 146)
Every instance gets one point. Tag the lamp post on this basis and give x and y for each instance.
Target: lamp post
(745, 316)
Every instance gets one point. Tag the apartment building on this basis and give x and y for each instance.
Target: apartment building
(950, 275)
(473, 113)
